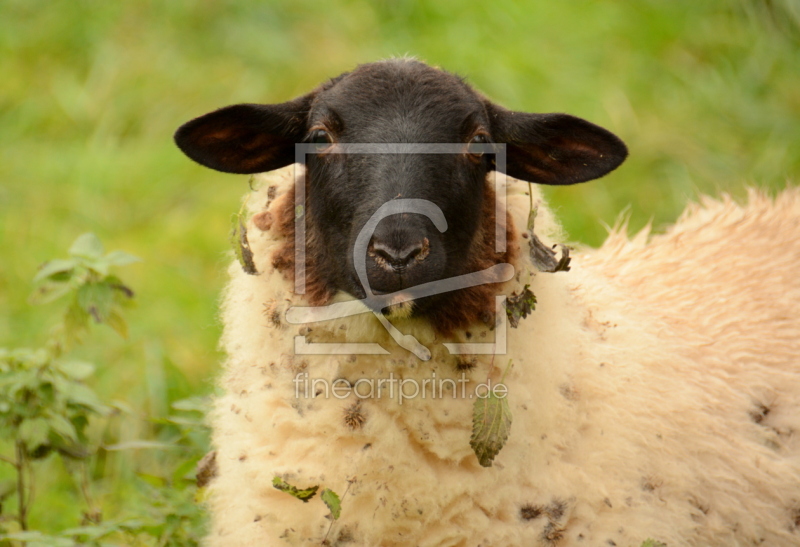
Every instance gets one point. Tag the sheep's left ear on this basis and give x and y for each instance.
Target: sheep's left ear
(554, 148)
(246, 138)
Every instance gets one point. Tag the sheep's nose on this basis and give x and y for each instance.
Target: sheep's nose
(399, 258)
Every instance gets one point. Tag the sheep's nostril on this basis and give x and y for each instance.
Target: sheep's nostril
(399, 258)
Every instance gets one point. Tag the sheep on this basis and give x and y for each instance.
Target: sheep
(654, 389)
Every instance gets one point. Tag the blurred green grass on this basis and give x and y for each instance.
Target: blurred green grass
(704, 93)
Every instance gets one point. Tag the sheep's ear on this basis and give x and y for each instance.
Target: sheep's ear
(554, 148)
(246, 138)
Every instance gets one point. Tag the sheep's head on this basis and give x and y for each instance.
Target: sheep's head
(394, 102)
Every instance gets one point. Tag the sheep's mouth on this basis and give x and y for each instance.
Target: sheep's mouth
(379, 294)
(401, 302)
(398, 303)
(386, 300)
(397, 284)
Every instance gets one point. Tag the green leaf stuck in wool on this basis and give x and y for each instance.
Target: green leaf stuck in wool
(544, 258)
(240, 243)
(333, 502)
(303, 495)
(519, 306)
(491, 424)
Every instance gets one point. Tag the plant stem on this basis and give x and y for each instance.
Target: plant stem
(9, 461)
(93, 514)
(23, 501)
(531, 212)
(508, 367)
(349, 483)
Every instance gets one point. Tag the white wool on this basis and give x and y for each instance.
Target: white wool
(655, 394)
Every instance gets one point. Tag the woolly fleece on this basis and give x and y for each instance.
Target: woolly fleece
(655, 394)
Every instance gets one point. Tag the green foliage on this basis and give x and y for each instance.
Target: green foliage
(44, 403)
(97, 295)
(173, 516)
(653, 543)
(491, 424)
(47, 408)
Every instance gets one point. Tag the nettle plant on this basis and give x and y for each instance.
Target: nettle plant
(45, 406)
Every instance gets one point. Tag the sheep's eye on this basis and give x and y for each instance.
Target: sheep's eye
(477, 151)
(320, 136)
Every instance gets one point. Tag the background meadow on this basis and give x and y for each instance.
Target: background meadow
(706, 95)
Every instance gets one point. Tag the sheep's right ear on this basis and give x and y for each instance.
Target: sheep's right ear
(246, 138)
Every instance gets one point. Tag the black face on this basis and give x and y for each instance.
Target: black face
(391, 102)
(395, 103)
